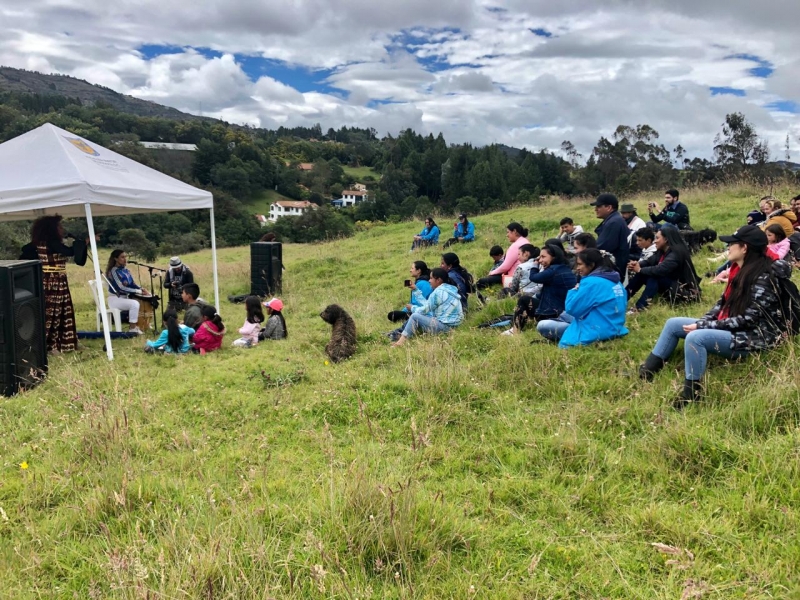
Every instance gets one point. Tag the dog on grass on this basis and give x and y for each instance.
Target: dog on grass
(697, 239)
(343, 337)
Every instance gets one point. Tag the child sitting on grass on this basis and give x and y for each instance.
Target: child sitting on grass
(174, 338)
(252, 324)
(208, 336)
(275, 329)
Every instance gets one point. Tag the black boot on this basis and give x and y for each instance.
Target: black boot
(652, 365)
(692, 392)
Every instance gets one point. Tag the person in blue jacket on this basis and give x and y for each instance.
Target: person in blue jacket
(175, 338)
(612, 233)
(420, 290)
(463, 232)
(429, 236)
(556, 278)
(594, 310)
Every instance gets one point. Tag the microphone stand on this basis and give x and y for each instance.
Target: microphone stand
(153, 277)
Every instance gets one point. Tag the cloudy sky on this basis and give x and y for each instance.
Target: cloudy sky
(521, 72)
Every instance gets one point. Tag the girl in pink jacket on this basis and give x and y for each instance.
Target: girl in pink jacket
(252, 325)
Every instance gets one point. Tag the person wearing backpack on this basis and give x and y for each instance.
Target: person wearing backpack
(754, 313)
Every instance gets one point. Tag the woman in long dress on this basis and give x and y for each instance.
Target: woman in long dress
(47, 235)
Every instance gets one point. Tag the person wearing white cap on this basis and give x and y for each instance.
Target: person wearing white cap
(177, 276)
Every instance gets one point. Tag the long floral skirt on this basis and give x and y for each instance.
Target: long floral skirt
(59, 314)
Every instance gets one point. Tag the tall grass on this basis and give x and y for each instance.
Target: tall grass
(461, 466)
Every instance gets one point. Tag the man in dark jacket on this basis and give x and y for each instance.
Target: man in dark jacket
(675, 212)
(612, 233)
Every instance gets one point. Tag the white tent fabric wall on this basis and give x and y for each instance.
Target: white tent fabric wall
(51, 171)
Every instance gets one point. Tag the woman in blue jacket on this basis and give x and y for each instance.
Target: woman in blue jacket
(463, 232)
(429, 236)
(556, 279)
(594, 310)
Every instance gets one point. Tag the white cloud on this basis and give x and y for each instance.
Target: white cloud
(454, 66)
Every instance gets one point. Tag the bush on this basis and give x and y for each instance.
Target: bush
(317, 225)
(135, 242)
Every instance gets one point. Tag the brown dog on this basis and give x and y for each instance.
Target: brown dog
(343, 337)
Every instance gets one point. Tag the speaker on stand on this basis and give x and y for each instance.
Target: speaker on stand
(23, 351)
(266, 268)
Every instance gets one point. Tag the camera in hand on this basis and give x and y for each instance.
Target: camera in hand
(407, 283)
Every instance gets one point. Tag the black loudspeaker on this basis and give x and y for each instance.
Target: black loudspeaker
(23, 351)
(266, 267)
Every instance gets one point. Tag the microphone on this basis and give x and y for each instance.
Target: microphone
(152, 268)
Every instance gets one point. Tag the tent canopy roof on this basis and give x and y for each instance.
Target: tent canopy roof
(51, 171)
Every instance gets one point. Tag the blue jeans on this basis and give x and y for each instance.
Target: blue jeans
(553, 329)
(418, 321)
(696, 347)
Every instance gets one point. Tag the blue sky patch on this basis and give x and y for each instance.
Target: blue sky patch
(729, 91)
(764, 68)
(788, 106)
(541, 32)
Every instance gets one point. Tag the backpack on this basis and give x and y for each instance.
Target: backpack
(790, 304)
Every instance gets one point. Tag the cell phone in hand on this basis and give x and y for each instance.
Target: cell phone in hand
(407, 283)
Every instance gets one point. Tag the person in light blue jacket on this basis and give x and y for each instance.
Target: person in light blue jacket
(594, 310)
(174, 338)
(429, 236)
(463, 232)
(439, 314)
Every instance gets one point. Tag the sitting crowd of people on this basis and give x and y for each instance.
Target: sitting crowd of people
(577, 287)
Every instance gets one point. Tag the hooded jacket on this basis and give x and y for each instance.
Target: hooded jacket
(612, 236)
(762, 326)
(420, 295)
(521, 282)
(208, 337)
(430, 234)
(783, 217)
(468, 235)
(556, 281)
(444, 305)
(598, 306)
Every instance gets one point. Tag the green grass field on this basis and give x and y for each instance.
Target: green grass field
(465, 466)
(360, 173)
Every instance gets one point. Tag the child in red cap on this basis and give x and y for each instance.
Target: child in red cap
(275, 327)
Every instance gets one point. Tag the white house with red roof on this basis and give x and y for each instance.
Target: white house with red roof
(351, 198)
(289, 208)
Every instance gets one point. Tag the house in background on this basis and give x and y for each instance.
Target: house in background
(262, 220)
(351, 198)
(360, 187)
(289, 208)
(306, 166)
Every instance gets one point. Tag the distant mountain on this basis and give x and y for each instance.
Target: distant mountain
(18, 80)
(787, 165)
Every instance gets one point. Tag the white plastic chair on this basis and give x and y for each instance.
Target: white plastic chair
(113, 313)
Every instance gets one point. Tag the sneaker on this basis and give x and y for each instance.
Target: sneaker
(508, 332)
(135, 330)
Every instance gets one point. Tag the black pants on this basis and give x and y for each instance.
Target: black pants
(485, 282)
(452, 241)
(653, 286)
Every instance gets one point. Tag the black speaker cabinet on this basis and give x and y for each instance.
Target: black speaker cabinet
(23, 353)
(266, 266)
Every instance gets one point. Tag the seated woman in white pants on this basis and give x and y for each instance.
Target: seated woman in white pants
(123, 291)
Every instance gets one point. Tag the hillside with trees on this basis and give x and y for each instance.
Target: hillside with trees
(414, 174)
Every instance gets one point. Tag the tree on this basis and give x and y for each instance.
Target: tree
(135, 242)
(738, 147)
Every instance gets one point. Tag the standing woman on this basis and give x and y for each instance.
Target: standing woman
(747, 318)
(47, 235)
(125, 295)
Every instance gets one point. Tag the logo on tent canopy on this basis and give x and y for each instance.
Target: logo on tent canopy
(82, 146)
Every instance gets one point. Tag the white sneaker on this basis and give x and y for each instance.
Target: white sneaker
(508, 332)
(135, 330)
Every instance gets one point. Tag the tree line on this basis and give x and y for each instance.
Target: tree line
(414, 174)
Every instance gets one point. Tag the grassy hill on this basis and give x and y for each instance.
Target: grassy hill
(470, 465)
(359, 173)
(260, 205)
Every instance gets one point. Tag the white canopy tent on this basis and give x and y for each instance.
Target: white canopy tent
(51, 171)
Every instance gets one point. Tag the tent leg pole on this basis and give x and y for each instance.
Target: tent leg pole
(214, 260)
(101, 295)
